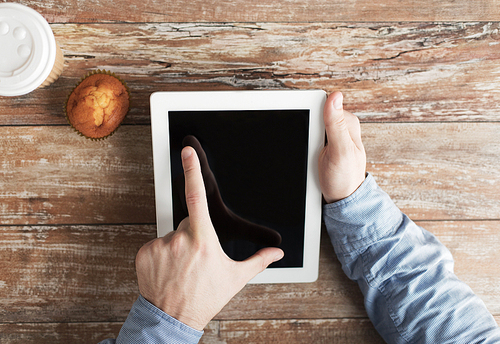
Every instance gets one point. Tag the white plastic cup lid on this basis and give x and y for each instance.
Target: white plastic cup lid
(27, 49)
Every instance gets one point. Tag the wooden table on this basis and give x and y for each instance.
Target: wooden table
(423, 76)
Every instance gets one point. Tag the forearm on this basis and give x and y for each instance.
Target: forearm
(405, 273)
(148, 324)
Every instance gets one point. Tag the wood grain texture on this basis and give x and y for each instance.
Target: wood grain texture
(348, 331)
(409, 72)
(69, 273)
(50, 175)
(437, 171)
(265, 10)
(51, 333)
(474, 246)
(423, 76)
(331, 331)
(86, 274)
(321, 331)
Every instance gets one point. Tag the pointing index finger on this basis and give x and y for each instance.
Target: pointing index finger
(196, 198)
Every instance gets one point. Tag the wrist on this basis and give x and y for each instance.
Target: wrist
(344, 190)
(176, 311)
(145, 319)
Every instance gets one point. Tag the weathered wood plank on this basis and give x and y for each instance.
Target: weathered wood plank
(50, 175)
(342, 331)
(53, 333)
(217, 332)
(291, 331)
(53, 175)
(474, 246)
(86, 274)
(265, 10)
(76, 273)
(435, 171)
(388, 72)
(441, 66)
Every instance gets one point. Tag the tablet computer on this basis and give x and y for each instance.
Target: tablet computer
(261, 152)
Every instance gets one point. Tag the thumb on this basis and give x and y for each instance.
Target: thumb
(260, 261)
(337, 131)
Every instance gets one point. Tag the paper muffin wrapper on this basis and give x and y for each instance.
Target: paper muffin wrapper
(98, 71)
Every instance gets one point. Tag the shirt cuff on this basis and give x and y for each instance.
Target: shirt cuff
(148, 324)
(361, 219)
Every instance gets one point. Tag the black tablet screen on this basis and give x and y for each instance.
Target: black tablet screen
(259, 160)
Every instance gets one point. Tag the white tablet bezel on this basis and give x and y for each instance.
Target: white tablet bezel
(313, 100)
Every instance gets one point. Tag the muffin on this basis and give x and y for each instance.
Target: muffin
(98, 105)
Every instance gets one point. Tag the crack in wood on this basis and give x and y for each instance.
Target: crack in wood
(162, 63)
(79, 56)
(396, 56)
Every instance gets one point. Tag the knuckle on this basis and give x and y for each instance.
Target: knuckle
(185, 244)
(337, 122)
(352, 119)
(193, 197)
(152, 250)
(190, 168)
(177, 244)
(142, 257)
(341, 123)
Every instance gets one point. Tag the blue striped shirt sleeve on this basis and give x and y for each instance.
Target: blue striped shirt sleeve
(411, 293)
(148, 324)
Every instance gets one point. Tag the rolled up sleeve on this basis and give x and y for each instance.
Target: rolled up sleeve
(411, 293)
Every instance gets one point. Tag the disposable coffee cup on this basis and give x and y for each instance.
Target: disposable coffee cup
(29, 55)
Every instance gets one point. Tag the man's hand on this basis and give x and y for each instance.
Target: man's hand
(186, 273)
(342, 162)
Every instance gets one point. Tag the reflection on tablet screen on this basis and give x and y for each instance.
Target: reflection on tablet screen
(259, 160)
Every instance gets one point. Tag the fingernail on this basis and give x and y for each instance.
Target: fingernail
(278, 257)
(337, 103)
(186, 153)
